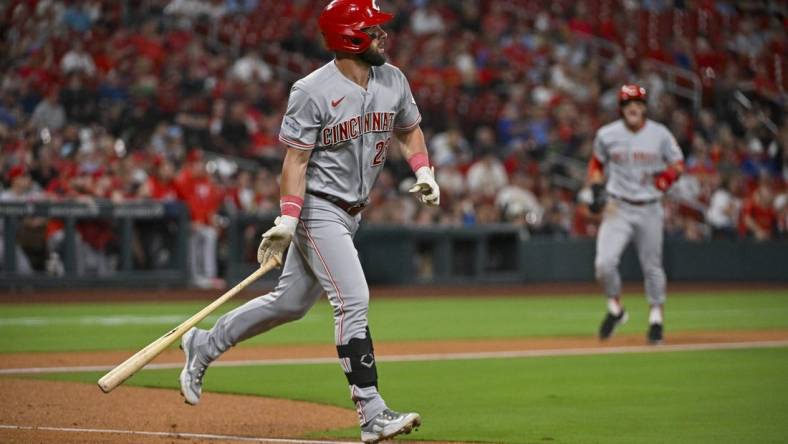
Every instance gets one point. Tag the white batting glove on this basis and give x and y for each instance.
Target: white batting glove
(429, 193)
(277, 239)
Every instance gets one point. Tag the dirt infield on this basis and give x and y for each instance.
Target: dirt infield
(80, 413)
(73, 405)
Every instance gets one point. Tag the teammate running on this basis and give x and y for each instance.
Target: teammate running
(643, 160)
(340, 121)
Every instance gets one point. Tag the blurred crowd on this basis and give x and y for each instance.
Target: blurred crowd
(182, 100)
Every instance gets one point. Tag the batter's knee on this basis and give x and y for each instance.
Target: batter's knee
(351, 314)
(290, 314)
(279, 308)
(356, 300)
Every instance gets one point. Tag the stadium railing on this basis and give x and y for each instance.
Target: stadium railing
(71, 259)
(390, 254)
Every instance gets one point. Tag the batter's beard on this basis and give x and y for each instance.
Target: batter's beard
(373, 58)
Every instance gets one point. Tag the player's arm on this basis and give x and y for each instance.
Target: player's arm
(293, 181)
(292, 187)
(411, 141)
(595, 178)
(596, 171)
(414, 148)
(675, 160)
(298, 132)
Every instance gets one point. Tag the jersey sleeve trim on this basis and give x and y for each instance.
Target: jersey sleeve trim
(405, 128)
(596, 168)
(296, 144)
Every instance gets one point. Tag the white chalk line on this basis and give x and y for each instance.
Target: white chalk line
(108, 321)
(432, 356)
(178, 435)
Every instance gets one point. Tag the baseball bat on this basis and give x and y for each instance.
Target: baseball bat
(122, 372)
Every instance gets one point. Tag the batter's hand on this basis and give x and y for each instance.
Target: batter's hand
(429, 193)
(664, 179)
(277, 239)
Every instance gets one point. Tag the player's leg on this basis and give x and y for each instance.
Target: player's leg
(648, 240)
(614, 235)
(210, 239)
(330, 250)
(195, 247)
(331, 253)
(295, 293)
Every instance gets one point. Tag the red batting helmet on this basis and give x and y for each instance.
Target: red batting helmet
(341, 23)
(631, 92)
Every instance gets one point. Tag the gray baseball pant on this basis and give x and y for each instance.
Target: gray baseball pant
(622, 223)
(321, 259)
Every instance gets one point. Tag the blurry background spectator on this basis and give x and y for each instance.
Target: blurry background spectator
(102, 100)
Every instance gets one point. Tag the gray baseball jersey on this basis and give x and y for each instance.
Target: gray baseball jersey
(632, 158)
(347, 127)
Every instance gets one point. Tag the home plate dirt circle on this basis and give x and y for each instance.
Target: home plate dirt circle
(66, 405)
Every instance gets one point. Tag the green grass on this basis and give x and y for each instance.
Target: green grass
(72, 327)
(735, 396)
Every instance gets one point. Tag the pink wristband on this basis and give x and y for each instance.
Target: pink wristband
(290, 205)
(418, 160)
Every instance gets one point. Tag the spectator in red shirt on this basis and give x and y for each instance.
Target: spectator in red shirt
(161, 184)
(758, 217)
(148, 44)
(156, 239)
(203, 198)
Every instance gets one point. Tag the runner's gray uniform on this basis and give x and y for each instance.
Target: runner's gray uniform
(634, 209)
(348, 130)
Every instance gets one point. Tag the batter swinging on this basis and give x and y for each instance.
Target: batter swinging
(340, 121)
(643, 160)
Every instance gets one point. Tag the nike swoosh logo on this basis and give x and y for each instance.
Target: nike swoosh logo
(334, 103)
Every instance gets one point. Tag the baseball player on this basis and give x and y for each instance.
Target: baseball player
(642, 160)
(340, 121)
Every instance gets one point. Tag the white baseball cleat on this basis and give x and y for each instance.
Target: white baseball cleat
(192, 374)
(388, 424)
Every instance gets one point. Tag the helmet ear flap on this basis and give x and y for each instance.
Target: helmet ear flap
(360, 41)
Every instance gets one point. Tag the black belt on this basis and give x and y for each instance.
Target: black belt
(637, 203)
(347, 207)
